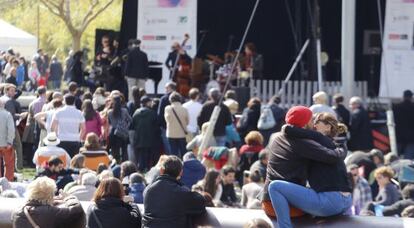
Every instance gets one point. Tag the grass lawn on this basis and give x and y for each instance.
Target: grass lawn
(28, 173)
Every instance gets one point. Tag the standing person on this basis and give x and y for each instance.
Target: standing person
(278, 115)
(93, 121)
(56, 73)
(223, 119)
(360, 129)
(13, 106)
(68, 122)
(170, 87)
(21, 73)
(144, 124)
(73, 90)
(68, 66)
(404, 125)
(76, 69)
(193, 108)
(167, 202)
(253, 61)
(343, 114)
(7, 133)
(176, 117)
(135, 103)
(320, 100)
(39, 59)
(119, 120)
(136, 68)
(250, 117)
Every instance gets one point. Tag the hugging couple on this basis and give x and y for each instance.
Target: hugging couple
(302, 154)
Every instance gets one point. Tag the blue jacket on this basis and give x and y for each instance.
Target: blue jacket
(136, 190)
(193, 171)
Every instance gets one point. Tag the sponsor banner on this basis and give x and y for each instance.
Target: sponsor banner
(397, 64)
(160, 24)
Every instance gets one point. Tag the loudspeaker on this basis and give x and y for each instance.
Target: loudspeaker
(243, 96)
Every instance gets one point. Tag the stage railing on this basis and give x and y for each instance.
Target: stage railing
(300, 92)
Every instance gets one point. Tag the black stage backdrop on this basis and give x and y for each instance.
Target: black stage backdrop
(272, 33)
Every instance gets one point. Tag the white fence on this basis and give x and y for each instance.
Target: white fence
(300, 92)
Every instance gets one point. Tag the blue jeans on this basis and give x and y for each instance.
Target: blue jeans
(165, 143)
(221, 140)
(177, 147)
(283, 194)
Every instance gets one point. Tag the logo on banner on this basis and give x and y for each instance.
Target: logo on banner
(183, 20)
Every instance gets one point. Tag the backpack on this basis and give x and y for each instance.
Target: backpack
(266, 119)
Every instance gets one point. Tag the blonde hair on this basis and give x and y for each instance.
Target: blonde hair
(41, 190)
(320, 97)
(384, 171)
(254, 138)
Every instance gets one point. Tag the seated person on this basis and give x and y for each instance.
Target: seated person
(397, 208)
(167, 202)
(251, 190)
(56, 171)
(388, 193)
(93, 152)
(136, 187)
(43, 154)
(193, 170)
(211, 185)
(228, 197)
(86, 189)
(261, 164)
(19, 188)
(249, 152)
(195, 143)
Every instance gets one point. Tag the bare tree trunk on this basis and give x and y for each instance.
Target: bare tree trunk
(76, 41)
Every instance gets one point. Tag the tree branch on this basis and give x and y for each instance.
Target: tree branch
(93, 16)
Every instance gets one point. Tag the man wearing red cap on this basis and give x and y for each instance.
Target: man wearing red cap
(289, 156)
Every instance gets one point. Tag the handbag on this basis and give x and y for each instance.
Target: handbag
(29, 217)
(188, 136)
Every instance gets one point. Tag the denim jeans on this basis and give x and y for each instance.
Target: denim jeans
(220, 140)
(165, 142)
(177, 147)
(283, 194)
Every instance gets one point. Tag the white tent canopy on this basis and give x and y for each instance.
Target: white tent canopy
(13, 37)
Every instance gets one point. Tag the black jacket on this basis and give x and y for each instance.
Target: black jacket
(344, 116)
(164, 102)
(137, 64)
(223, 120)
(56, 71)
(113, 212)
(397, 208)
(169, 204)
(248, 121)
(361, 135)
(145, 125)
(323, 177)
(290, 156)
(404, 122)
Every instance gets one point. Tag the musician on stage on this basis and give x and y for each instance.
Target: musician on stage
(136, 70)
(253, 62)
(104, 53)
(172, 58)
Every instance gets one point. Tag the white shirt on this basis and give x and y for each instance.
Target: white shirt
(49, 151)
(69, 119)
(49, 117)
(319, 108)
(194, 109)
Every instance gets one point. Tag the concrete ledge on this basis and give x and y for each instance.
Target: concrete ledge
(229, 218)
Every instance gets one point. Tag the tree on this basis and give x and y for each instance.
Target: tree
(77, 24)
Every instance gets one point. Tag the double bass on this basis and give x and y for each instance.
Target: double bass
(182, 69)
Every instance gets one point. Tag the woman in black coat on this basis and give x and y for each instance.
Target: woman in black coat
(250, 117)
(76, 69)
(110, 210)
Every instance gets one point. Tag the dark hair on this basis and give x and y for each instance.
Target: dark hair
(135, 95)
(128, 168)
(101, 167)
(231, 94)
(72, 87)
(228, 169)
(408, 192)
(175, 97)
(54, 161)
(136, 178)
(41, 90)
(88, 112)
(338, 98)
(69, 99)
(275, 100)
(57, 103)
(251, 47)
(193, 94)
(254, 101)
(116, 106)
(210, 185)
(172, 166)
(87, 96)
(109, 187)
(49, 96)
(171, 85)
(255, 176)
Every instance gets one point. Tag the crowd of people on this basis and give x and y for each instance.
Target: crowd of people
(117, 150)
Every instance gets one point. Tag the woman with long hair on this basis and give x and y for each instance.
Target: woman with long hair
(93, 121)
(330, 192)
(110, 210)
(211, 185)
(119, 121)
